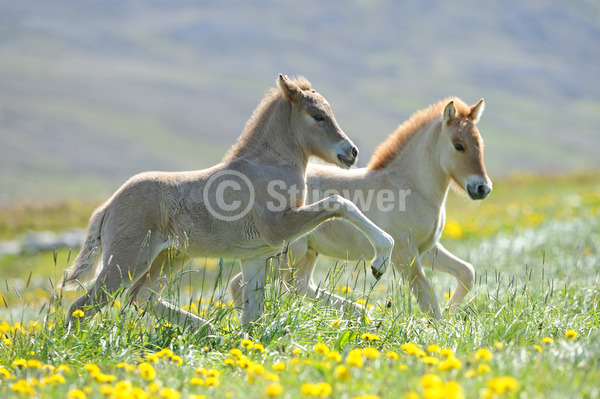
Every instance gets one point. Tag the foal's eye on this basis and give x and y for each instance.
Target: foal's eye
(459, 147)
(319, 117)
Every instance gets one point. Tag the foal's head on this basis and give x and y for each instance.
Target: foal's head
(313, 123)
(462, 153)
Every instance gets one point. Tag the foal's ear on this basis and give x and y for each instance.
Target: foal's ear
(476, 111)
(290, 90)
(449, 112)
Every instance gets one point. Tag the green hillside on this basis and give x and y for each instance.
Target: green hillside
(93, 92)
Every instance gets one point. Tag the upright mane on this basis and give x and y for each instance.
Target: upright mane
(408, 129)
(255, 125)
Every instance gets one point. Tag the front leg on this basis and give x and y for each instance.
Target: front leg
(441, 259)
(420, 285)
(295, 222)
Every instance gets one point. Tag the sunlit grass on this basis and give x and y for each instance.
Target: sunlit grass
(529, 328)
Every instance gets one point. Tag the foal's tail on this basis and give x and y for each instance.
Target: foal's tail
(87, 266)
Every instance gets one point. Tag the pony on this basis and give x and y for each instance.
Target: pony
(403, 190)
(223, 211)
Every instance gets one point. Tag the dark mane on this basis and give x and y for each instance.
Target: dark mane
(407, 130)
(259, 118)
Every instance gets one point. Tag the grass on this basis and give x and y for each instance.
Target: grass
(530, 327)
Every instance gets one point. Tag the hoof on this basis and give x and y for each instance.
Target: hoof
(376, 273)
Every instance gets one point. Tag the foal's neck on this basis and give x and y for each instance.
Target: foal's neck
(419, 160)
(273, 142)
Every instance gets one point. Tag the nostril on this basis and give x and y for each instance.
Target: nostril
(481, 189)
(354, 152)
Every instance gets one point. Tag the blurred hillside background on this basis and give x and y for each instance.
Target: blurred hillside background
(92, 92)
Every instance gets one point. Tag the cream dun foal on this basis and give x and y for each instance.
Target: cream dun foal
(403, 190)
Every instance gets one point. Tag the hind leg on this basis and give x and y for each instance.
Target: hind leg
(147, 288)
(303, 284)
(254, 279)
(123, 264)
(236, 287)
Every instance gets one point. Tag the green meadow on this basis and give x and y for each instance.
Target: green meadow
(528, 329)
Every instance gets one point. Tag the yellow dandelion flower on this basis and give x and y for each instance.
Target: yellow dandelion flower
(153, 387)
(101, 377)
(499, 346)
(5, 327)
(430, 360)
(212, 382)
(504, 384)
(413, 349)
(92, 368)
(274, 389)
(259, 347)
(271, 377)
(243, 363)
(335, 323)
(24, 387)
(34, 364)
(335, 356)
(320, 389)
(256, 369)
(452, 230)
(571, 334)
(177, 360)
(453, 390)
(354, 358)
(538, 348)
(197, 381)
(78, 313)
(431, 380)
(76, 394)
(279, 366)
(450, 363)
(123, 387)
(213, 373)
(433, 349)
(483, 369)
(370, 337)
(247, 344)
(547, 340)
(321, 348)
(236, 353)
(229, 362)
(370, 353)
(165, 352)
(147, 371)
(169, 393)
(19, 363)
(447, 352)
(483, 355)
(54, 379)
(296, 351)
(4, 373)
(341, 372)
